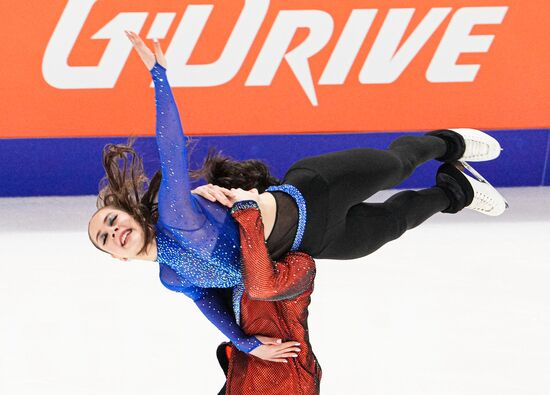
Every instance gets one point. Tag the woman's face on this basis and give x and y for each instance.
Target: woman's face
(116, 232)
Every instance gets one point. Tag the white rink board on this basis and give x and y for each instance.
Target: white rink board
(460, 305)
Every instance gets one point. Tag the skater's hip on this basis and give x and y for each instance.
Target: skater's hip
(315, 193)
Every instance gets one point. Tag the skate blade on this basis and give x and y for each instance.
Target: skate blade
(480, 178)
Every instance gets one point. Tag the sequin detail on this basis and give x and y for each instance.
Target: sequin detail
(198, 267)
(197, 240)
(243, 205)
(275, 304)
(238, 292)
(212, 303)
(302, 212)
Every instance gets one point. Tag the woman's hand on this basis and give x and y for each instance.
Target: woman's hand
(148, 57)
(225, 196)
(215, 193)
(274, 350)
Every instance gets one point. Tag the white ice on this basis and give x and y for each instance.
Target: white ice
(460, 305)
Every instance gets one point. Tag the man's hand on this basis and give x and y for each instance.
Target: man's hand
(240, 195)
(274, 350)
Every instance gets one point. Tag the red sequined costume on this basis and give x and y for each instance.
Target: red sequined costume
(275, 302)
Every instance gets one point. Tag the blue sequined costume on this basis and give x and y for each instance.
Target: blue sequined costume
(198, 240)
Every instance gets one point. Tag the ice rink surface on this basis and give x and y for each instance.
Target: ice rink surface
(460, 305)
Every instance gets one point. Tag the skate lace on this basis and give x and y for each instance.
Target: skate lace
(475, 148)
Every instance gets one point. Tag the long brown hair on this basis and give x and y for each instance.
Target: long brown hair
(225, 172)
(126, 187)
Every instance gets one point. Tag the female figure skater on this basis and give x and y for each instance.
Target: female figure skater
(319, 210)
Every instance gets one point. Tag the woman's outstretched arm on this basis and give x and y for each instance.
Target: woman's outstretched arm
(177, 206)
(263, 278)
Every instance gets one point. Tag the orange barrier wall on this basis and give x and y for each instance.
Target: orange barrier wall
(260, 66)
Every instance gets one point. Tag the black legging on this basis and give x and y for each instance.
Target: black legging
(339, 225)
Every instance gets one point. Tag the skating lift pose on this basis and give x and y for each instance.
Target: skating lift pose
(318, 209)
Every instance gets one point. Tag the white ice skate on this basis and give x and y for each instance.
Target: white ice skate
(487, 200)
(480, 146)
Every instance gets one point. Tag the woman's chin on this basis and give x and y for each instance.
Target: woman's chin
(134, 249)
(132, 244)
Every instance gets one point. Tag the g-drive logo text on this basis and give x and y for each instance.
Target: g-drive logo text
(387, 59)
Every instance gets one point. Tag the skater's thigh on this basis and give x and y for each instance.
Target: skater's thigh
(354, 175)
(368, 226)
(352, 165)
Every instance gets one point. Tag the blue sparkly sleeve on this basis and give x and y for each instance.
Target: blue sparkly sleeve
(177, 206)
(215, 309)
(212, 304)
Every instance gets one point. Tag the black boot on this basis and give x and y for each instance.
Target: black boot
(222, 357)
(455, 144)
(224, 362)
(455, 185)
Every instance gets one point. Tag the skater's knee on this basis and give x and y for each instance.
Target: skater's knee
(403, 141)
(399, 224)
(401, 164)
(400, 205)
(390, 221)
(409, 150)
(400, 200)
